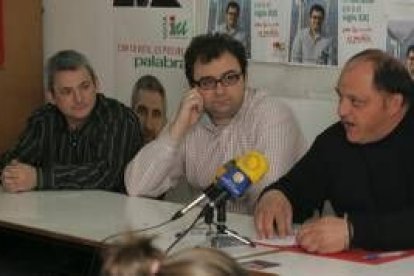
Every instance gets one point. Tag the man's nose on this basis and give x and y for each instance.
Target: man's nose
(219, 88)
(149, 123)
(77, 96)
(343, 108)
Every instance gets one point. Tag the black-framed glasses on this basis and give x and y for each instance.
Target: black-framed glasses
(210, 83)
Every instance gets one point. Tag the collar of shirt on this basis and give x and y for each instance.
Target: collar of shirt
(316, 37)
(232, 31)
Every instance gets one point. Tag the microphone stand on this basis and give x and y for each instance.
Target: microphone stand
(208, 218)
(221, 217)
(224, 236)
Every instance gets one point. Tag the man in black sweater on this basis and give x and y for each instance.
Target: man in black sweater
(364, 165)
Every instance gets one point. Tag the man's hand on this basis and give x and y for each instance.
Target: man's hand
(273, 207)
(324, 235)
(190, 111)
(19, 177)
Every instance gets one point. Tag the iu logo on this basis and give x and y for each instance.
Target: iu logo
(176, 29)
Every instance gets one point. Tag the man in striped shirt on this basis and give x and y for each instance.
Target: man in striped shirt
(219, 119)
(81, 140)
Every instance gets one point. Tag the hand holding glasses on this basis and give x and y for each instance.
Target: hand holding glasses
(229, 78)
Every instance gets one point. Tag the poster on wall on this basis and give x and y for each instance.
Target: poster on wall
(150, 39)
(232, 18)
(299, 32)
(362, 25)
(400, 32)
(269, 28)
(314, 32)
(400, 38)
(2, 54)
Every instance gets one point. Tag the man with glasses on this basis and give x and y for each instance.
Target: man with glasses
(231, 24)
(218, 119)
(310, 44)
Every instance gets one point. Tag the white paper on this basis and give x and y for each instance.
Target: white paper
(277, 241)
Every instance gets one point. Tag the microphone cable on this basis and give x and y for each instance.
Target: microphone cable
(105, 240)
(188, 229)
(133, 232)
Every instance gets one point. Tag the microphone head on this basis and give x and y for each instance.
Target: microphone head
(253, 164)
(237, 175)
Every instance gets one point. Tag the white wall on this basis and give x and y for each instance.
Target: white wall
(86, 25)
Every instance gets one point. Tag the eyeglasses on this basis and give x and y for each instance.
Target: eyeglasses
(210, 83)
(318, 17)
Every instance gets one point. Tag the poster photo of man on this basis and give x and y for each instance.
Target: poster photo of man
(314, 32)
(231, 17)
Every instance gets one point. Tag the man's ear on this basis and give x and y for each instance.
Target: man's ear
(396, 103)
(97, 85)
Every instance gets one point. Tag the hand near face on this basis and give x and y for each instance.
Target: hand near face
(19, 177)
(190, 111)
(273, 208)
(324, 235)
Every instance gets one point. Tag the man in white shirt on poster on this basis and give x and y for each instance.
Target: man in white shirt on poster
(311, 45)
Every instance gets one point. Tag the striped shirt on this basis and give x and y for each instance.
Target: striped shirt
(262, 123)
(92, 157)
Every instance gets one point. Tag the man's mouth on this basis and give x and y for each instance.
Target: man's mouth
(348, 125)
(78, 108)
(222, 102)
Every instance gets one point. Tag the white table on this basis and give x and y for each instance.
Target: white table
(87, 217)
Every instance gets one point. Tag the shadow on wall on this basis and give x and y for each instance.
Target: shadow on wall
(313, 115)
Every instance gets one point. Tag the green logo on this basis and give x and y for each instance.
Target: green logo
(174, 28)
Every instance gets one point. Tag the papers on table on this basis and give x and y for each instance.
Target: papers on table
(277, 241)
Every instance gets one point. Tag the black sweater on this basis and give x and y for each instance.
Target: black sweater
(372, 183)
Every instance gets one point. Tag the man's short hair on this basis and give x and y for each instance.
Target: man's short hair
(389, 74)
(409, 49)
(206, 47)
(318, 8)
(67, 60)
(147, 82)
(234, 5)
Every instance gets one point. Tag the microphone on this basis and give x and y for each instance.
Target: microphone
(231, 180)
